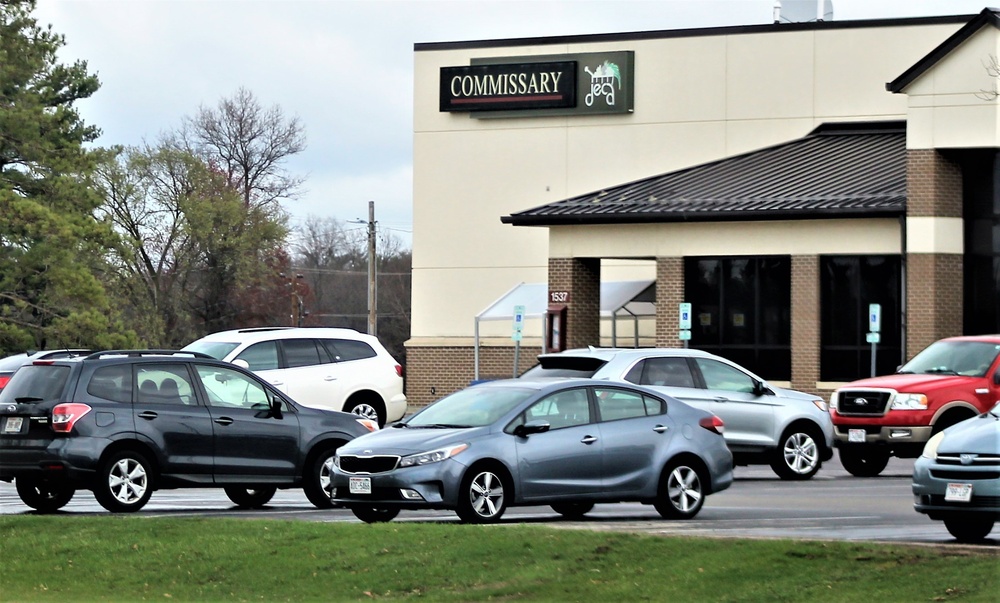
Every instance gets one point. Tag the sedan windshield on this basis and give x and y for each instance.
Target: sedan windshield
(472, 407)
(969, 358)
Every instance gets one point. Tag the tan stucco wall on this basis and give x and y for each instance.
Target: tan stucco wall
(950, 105)
(697, 99)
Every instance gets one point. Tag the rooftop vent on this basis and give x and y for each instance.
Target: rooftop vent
(802, 11)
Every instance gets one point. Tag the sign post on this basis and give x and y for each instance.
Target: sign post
(684, 323)
(516, 335)
(874, 328)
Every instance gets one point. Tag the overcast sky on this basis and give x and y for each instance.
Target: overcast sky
(344, 67)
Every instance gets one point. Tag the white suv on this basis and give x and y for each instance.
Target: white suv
(340, 369)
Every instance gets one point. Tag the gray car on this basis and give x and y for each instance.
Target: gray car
(790, 430)
(568, 444)
(957, 478)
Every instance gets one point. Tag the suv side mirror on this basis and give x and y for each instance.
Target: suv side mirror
(275, 403)
(241, 363)
(761, 389)
(536, 426)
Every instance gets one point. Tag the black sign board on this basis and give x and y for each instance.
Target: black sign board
(514, 86)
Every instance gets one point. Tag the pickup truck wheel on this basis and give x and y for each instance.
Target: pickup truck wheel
(797, 455)
(863, 462)
(969, 529)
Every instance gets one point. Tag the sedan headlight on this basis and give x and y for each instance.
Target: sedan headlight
(909, 402)
(931, 447)
(434, 456)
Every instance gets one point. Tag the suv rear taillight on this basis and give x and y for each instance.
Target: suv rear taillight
(65, 416)
(713, 424)
(399, 370)
(4, 379)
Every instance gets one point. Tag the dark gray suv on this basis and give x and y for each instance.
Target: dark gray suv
(126, 423)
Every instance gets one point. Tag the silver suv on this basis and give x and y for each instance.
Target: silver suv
(337, 369)
(787, 429)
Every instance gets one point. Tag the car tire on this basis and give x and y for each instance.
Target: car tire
(572, 510)
(864, 462)
(124, 482)
(969, 528)
(681, 492)
(375, 514)
(43, 496)
(367, 407)
(250, 498)
(797, 456)
(318, 483)
(483, 495)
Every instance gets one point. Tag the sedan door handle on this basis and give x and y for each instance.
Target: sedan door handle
(148, 415)
(588, 440)
(722, 399)
(224, 421)
(660, 428)
(329, 378)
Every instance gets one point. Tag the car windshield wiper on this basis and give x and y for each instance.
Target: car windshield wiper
(399, 425)
(26, 399)
(445, 426)
(940, 370)
(904, 372)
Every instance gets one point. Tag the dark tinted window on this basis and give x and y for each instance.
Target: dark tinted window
(673, 372)
(261, 356)
(300, 352)
(43, 382)
(741, 310)
(112, 383)
(848, 285)
(348, 349)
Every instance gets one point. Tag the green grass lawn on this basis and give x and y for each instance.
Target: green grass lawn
(115, 558)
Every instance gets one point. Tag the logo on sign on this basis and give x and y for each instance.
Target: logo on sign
(602, 83)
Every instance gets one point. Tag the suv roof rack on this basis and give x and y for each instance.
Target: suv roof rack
(140, 353)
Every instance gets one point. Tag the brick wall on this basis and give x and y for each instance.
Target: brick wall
(805, 322)
(435, 372)
(934, 287)
(581, 277)
(934, 299)
(669, 295)
(933, 185)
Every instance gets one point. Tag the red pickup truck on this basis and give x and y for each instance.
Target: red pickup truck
(894, 415)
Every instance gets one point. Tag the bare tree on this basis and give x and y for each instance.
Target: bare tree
(993, 69)
(249, 144)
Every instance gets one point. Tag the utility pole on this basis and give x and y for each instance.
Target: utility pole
(372, 289)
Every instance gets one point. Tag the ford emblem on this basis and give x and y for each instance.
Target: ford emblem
(861, 402)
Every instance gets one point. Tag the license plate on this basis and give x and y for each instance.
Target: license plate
(13, 424)
(856, 435)
(958, 493)
(361, 485)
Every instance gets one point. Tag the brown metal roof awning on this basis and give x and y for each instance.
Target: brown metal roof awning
(842, 170)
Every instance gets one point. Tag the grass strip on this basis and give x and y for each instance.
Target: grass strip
(121, 558)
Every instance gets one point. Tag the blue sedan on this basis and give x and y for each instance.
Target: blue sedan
(957, 478)
(567, 444)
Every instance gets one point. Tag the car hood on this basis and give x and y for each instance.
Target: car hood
(408, 440)
(977, 435)
(912, 382)
(791, 394)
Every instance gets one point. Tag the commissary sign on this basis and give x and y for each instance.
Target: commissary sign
(587, 83)
(509, 86)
